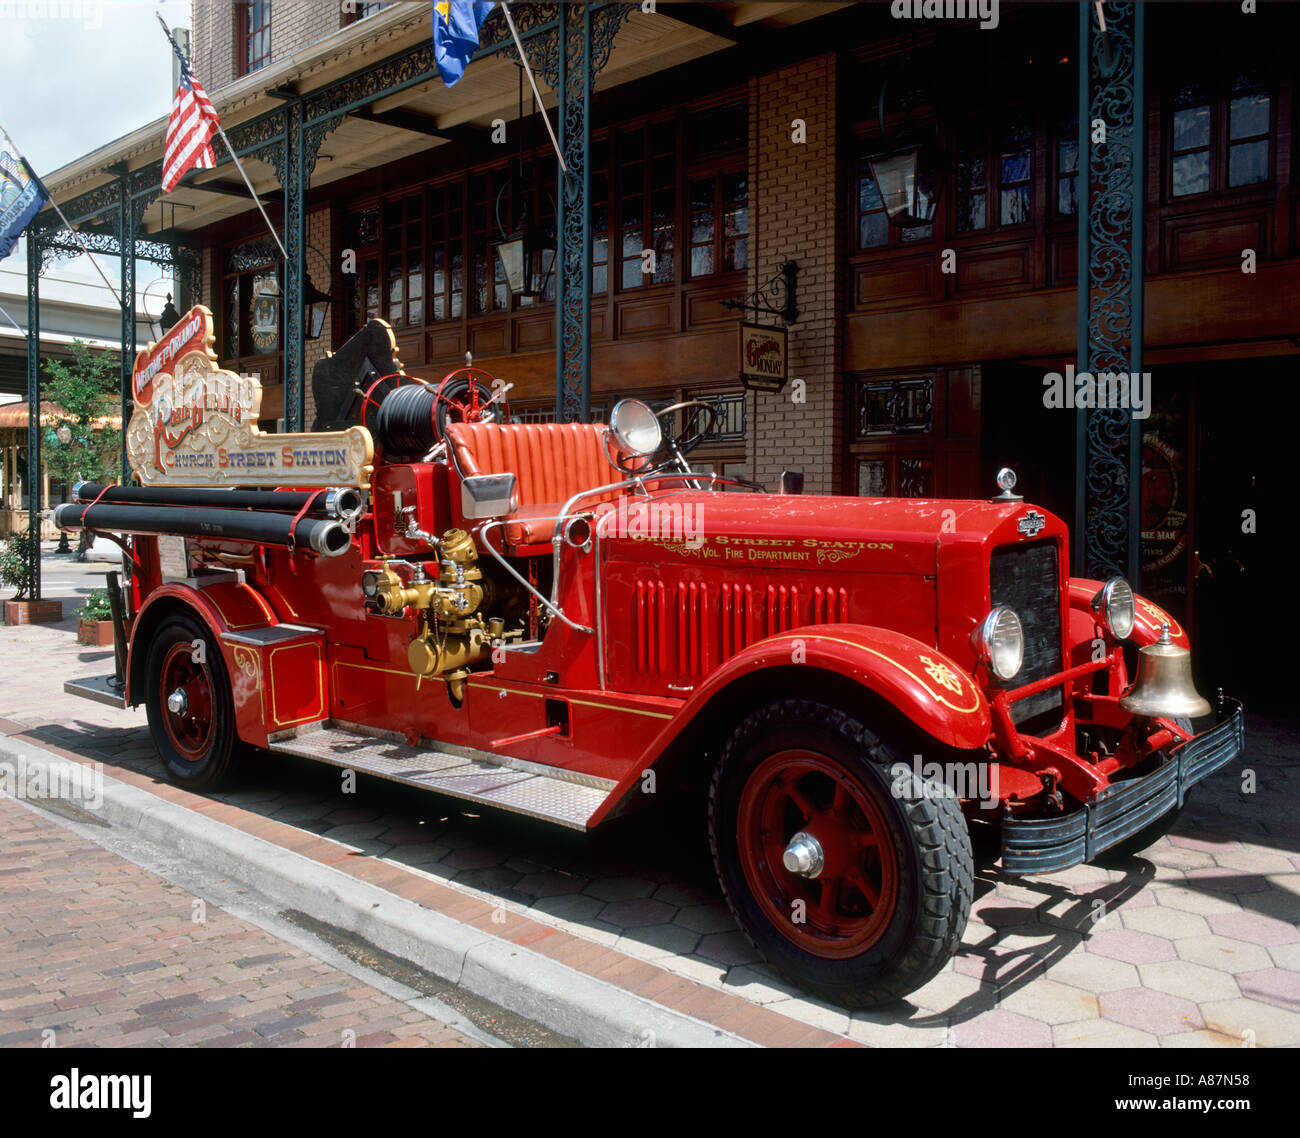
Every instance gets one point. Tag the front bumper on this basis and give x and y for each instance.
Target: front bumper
(1039, 845)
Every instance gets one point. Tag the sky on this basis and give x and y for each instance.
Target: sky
(76, 74)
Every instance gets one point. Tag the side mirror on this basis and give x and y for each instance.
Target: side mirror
(791, 482)
(488, 496)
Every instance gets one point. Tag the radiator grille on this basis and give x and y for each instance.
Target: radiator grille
(1026, 578)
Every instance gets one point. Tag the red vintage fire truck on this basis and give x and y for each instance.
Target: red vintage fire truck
(565, 621)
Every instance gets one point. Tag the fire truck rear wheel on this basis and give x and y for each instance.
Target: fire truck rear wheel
(848, 872)
(195, 731)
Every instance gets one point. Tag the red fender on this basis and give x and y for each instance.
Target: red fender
(1084, 628)
(929, 688)
(226, 607)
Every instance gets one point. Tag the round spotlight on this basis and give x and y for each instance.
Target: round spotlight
(370, 584)
(636, 429)
(1115, 608)
(999, 643)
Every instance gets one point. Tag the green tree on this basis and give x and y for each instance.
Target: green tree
(84, 391)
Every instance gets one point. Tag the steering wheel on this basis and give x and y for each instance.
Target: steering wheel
(466, 395)
(693, 432)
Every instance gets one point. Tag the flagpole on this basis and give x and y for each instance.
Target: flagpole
(541, 107)
(50, 198)
(260, 208)
(234, 157)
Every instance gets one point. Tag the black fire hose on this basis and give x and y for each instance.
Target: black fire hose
(338, 502)
(405, 423)
(326, 536)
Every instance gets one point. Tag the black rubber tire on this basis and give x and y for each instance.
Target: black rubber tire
(224, 746)
(1146, 837)
(931, 842)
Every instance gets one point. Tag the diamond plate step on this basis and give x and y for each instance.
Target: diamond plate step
(102, 689)
(548, 793)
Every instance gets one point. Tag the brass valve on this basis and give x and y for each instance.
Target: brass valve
(454, 594)
(452, 634)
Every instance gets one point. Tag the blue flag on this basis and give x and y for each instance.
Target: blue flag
(455, 34)
(21, 199)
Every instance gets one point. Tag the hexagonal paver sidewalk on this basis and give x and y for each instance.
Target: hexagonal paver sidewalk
(1195, 943)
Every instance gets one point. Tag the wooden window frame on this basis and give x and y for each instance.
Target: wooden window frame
(1219, 148)
(363, 11)
(242, 37)
(718, 171)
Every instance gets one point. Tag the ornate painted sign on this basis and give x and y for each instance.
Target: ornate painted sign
(762, 357)
(196, 425)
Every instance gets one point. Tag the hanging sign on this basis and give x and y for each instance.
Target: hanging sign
(195, 424)
(762, 357)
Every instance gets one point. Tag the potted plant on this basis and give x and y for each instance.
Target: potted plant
(19, 553)
(94, 620)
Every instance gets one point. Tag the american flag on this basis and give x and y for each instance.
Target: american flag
(193, 123)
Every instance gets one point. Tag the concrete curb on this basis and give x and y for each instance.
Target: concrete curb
(515, 977)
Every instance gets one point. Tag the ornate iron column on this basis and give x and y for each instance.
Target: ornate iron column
(306, 123)
(295, 245)
(1108, 440)
(126, 222)
(34, 403)
(586, 36)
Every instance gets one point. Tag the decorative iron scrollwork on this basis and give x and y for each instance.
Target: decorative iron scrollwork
(585, 39)
(1110, 293)
(783, 287)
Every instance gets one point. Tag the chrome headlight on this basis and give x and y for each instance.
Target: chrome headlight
(636, 429)
(999, 642)
(1115, 608)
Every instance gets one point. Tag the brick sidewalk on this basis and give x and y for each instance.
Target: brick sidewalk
(105, 954)
(1194, 944)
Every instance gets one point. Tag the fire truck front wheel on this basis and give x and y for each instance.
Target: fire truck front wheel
(850, 873)
(191, 712)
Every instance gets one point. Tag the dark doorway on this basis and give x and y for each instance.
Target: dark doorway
(1241, 418)
(1217, 444)
(1036, 441)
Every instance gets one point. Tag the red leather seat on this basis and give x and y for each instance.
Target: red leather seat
(552, 462)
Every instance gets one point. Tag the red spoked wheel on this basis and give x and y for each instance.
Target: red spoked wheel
(469, 395)
(189, 702)
(850, 873)
(186, 687)
(843, 902)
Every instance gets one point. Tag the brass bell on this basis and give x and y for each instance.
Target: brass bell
(1164, 685)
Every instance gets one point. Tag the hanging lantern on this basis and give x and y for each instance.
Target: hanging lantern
(524, 252)
(315, 307)
(315, 303)
(524, 257)
(167, 319)
(909, 180)
(910, 168)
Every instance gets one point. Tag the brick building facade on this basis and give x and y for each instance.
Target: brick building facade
(920, 354)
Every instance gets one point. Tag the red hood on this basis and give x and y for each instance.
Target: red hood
(881, 535)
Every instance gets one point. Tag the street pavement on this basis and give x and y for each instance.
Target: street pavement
(98, 952)
(1195, 943)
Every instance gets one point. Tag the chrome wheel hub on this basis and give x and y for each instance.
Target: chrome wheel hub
(804, 855)
(177, 702)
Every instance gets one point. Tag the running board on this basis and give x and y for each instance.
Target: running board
(102, 689)
(538, 791)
